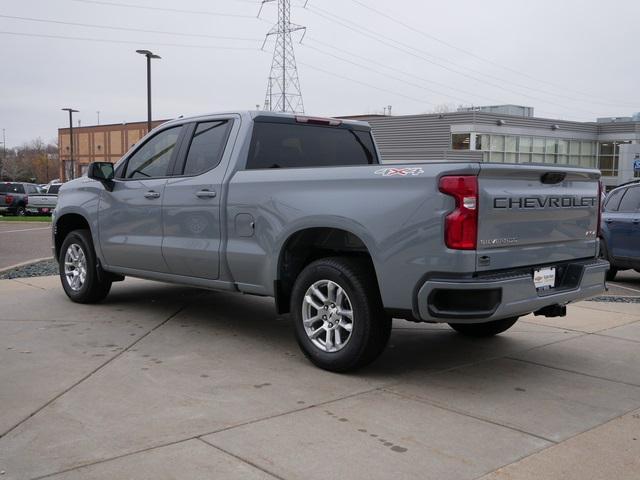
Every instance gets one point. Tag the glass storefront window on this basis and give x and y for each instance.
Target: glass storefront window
(524, 144)
(460, 141)
(510, 144)
(563, 147)
(538, 145)
(497, 143)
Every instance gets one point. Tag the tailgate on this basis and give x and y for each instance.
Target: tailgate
(535, 215)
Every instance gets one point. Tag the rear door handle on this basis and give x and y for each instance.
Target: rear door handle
(206, 194)
(636, 220)
(608, 220)
(151, 194)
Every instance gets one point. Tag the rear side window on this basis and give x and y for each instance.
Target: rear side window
(281, 145)
(207, 146)
(53, 189)
(631, 201)
(613, 200)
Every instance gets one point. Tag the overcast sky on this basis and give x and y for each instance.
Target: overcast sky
(570, 59)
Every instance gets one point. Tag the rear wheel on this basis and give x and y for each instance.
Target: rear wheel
(339, 320)
(79, 269)
(21, 211)
(487, 329)
(611, 274)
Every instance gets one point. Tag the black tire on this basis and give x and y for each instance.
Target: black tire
(371, 326)
(487, 329)
(93, 289)
(604, 254)
(21, 211)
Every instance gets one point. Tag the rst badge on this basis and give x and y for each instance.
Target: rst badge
(399, 172)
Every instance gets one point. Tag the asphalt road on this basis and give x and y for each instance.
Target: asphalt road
(21, 242)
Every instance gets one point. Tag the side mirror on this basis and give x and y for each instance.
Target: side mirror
(102, 172)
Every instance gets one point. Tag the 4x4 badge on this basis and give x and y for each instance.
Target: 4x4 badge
(400, 172)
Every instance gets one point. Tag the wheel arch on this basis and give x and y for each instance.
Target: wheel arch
(64, 225)
(307, 245)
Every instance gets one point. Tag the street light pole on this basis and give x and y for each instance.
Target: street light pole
(71, 112)
(149, 56)
(4, 153)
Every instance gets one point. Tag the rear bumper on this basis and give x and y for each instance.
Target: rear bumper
(506, 294)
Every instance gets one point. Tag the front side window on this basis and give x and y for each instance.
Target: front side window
(207, 146)
(283, 145)
(153, 158)
(631, 201)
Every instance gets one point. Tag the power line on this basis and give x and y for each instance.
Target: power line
(126, 29)
(484, 59)
(126, 42)
(384, 74)
(386, 41)
(377, 63)
(165, 9)
(422, 87)
(342, 77)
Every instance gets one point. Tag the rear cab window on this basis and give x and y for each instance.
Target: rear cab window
(299, 145)
(11, 188)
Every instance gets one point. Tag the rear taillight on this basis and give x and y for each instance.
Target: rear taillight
(461, 225)
(599, 225)
(8, 199)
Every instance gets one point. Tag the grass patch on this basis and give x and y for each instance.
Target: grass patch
(29, 218)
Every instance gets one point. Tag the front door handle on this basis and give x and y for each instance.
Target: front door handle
(151, 194)
(608, 220)
(636, 220)
(206, 194)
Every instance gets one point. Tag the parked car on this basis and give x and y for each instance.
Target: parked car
(300, 209)
(621, 229)
(44, 202)
(14, 197)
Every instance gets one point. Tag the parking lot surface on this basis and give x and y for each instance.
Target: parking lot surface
(162, 382)
(24, 241)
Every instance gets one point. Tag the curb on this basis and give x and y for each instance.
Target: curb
(24, 264)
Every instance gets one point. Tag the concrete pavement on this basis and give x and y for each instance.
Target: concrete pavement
(24, 241)
(164, 382)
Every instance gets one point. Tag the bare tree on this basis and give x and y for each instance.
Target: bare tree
(34, 161)
(444, 108)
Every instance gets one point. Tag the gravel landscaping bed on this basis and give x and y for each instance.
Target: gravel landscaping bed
(614, 299)
(39, 269)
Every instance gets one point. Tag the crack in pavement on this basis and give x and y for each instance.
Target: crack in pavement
(92, 372)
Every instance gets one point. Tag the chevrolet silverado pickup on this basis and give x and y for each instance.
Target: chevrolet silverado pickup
(300, 209)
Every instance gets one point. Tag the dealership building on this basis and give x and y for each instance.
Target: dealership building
(502, 133)
(511, 134)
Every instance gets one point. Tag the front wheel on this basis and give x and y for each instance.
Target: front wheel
(79, 270)
(339, 320)
(487, 329)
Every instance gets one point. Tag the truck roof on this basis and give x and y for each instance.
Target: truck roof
(253, 114)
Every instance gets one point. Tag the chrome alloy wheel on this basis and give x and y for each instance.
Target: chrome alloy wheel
(327, 316)
(75, 266)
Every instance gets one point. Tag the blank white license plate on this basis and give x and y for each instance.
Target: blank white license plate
(544, 278)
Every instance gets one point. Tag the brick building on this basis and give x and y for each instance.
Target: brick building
(98, 143)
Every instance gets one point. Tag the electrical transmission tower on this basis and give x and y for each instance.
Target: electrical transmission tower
(283, 89)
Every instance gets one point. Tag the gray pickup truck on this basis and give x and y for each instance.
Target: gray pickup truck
(300, 209)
